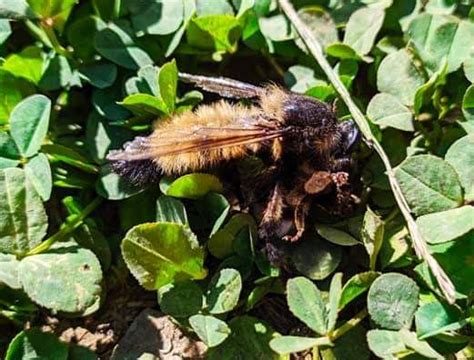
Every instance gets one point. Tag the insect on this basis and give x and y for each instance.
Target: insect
(306, 149)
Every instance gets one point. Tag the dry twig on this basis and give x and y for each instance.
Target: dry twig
(419, 244)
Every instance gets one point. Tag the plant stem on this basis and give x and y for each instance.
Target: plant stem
(116, 12)
(348, 325)
(67, 229)
(421, 249)
(57, 47)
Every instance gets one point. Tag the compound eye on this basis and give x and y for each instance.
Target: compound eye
(350, 134)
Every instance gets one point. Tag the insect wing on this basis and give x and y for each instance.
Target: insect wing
(225, 87)
(163, 142)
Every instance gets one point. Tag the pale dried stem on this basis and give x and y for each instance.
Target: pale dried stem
(419, 244)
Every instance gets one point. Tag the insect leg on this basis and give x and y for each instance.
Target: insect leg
(301, 211)
(272, 214)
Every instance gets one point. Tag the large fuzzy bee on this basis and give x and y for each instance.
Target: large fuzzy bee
(307, 147)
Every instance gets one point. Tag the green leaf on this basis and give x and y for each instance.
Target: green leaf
(35, 344)
(29, 122)
(9, 155)
(435, 317)
(99, 75)
(81, 33)
(9, 271)
(385, 343)
(106, 8)
(114, 187)
(301, 78)
(372, 233)
(316, 259)
(386, 110)
(90, 237)
(160, 253)
(5, 30)
(224, 291)
(222, 243)
(213, 7)
(392, 301)
(214, 32)
(12, 91)
(467, 110)
(210, 329)
(23, 220)
(68, 267)
(395, 244)
(180, 300)
(102, 137)
(145, 82)
(157, 17)
(105, 104)
(356, 285)
(460, 156)
(193, 186)
(397, 75)
(189, 11)
(342, 51)
(336, 236)
(306, 303)
(362, 29)
(248, 340)
(117, 46)
(292, 344)
(168, 83)
(455, 257)
(28, 64)
(56, 10)
(38, 172)
(58, 74)
(144, 104)
(138, 209)
(352, 345)
(421, 347)
(335, 293)
(15, 9)
(321, 25)
(213, 209)
(429, 184)
(440, 36)
(276, 28)
(69, 156)
(468, 67)
(169, 209)
(446, 225)
(426, 93)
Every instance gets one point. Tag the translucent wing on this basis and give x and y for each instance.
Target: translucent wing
(225, 87)
(164, 142)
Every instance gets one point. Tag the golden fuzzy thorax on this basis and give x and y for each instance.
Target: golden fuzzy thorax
(217, 115)
(272, 103)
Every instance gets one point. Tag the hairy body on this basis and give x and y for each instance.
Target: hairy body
(305, 141)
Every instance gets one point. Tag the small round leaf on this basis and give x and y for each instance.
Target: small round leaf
(224, 291)
(392, 301)
(210, 329)
(160, 253)
(29, 122)
(181, 299)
